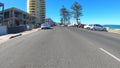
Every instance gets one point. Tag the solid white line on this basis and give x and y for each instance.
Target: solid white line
(110, 54)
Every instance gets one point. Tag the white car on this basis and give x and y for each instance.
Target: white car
(45, 26)
(95, 27)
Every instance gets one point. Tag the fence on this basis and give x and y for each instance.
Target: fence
(17, 29)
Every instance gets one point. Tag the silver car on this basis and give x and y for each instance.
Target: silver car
(96, 27)
(45, 26)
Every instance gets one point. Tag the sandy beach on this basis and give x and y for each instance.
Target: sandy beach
(113, 30)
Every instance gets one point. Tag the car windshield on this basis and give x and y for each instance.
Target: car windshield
(59, 33)
(98, 25)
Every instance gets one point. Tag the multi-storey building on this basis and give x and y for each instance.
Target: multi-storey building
(14, 17)
(1, 14)
(37, 7)
(18, 20)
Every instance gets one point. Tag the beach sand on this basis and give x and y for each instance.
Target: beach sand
(113, 30)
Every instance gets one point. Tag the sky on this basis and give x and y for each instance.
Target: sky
(94, 11)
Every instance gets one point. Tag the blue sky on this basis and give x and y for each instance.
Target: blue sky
(94, 11)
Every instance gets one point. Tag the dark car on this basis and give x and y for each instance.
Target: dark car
(81, 25)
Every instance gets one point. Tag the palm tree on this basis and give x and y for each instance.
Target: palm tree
(65, 15)
(77, 11)
(62, 13)
(61, 21)
(68, 14)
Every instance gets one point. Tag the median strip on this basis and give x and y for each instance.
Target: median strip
(110, 54)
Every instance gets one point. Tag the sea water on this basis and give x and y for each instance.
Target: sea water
(112, 26)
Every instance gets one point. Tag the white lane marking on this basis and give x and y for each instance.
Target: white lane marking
(110, 54)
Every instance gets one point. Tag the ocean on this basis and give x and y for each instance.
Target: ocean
(112, 26)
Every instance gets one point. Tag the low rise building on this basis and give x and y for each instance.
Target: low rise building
(3, 28)
(17, 20)
(15, 17)
(1, 14)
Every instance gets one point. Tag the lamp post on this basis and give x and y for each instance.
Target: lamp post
(2, 5)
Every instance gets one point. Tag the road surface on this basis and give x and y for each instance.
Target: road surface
(62, 47)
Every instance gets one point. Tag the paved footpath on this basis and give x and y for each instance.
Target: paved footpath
(5, 38)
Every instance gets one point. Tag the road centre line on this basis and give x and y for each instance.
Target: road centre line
(110, 54)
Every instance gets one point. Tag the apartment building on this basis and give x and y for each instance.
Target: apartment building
(1, 14)
(17, 20)
(3, 28)
(37, 7)
(15, 17)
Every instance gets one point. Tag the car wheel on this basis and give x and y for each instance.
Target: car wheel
(105, 30)
(94, 29)
(88, 28)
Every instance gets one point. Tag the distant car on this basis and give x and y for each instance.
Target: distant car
(45, 26)
(64, 25)
(96, 27)
(70, 25)
(52, 25)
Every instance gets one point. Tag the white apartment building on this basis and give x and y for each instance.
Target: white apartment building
(38, 8)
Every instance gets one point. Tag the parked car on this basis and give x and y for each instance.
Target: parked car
(70, 25)
(64, 25)
(52, 25)
(96, 27)
(81, 25)
(45, 26)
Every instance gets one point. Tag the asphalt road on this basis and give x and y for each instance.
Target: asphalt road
(62, 47)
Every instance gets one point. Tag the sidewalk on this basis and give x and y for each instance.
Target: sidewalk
(5, 38)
